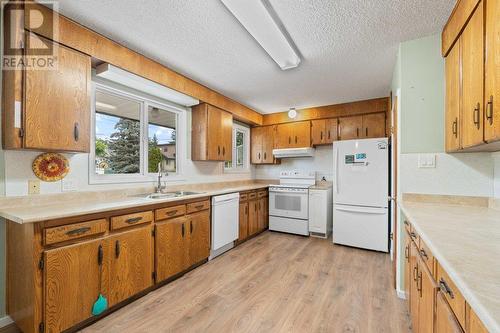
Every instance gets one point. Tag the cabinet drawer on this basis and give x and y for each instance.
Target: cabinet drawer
(452, 295)
(123, 221)
(261, 194)
(198, 206)
(74, 231)
(243, 197)
(427, 257)
(170, 212)
(252, 195)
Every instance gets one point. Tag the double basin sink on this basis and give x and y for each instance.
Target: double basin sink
(166, 195)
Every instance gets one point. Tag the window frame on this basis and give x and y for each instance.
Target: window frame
(246, 150)
(145, 101)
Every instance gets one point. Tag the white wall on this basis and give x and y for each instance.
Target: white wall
(322, 163)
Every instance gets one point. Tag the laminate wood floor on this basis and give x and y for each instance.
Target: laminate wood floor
(273, 283)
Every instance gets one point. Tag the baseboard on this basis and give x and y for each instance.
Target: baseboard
(401, 294)
(4, 321)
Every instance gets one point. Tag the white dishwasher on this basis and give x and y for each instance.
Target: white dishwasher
(225, 224)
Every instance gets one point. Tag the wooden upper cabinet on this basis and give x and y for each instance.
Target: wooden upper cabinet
(331, 127)
(492, 72)
(131, 263)
(445, 319)
(262, 145)
(373, 126)
(350, 127)
(211, 133)
(54, 111)
(256, 145)
(301, 134)
(452, 111)
(74, 276)
(472, 45)
(318, 132)
(284, 135)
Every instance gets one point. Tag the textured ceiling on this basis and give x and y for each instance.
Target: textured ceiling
(348, 46)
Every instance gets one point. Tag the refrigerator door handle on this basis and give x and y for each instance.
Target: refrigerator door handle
(336, 164)
(363, 210)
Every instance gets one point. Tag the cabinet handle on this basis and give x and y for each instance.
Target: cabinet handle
(489, 110)
(117, 249)
(182, 230)
(419, 285)
(198, 206)
(224, 151)
(76, 131)
(329, 135)
(259, 156)
(407, 251)
(424, 254)
(357, 132)
(172, 212)
(265, 156)
(454, 127)
(295, 139)
(443, 286)
(413, 235)
(78, 231)
(415, 273)
(191, 227)
(321, 136)
(133, 220)
(100, 255)
(218, 150)
(476, 115)
(366, 131)
(289, 140)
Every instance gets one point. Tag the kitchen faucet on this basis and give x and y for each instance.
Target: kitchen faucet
(159, 187)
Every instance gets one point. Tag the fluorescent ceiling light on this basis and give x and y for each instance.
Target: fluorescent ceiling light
(261, 22)
(120, 76)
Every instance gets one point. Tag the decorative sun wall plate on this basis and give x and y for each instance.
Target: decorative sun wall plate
(50, 167)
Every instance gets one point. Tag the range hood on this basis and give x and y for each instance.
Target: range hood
(293, 152)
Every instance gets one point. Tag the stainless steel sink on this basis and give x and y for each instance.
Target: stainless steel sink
(166, 195)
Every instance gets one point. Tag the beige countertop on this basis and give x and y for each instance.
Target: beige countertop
(55, 206)
(465, 239)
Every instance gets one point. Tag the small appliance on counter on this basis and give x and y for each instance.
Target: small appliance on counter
(289, 202)
(361, 193)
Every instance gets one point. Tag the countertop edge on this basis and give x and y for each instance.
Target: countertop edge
(471, 299)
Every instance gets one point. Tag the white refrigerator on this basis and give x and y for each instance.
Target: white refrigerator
(361, 193)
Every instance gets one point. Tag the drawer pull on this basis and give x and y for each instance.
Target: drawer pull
(476, 115)
(199, 206)
(424, 254)
(172, 212)
(76, 132)
(454, 127)
(77, 232)
(133, 220)
(443, 286)
(489, 110)
(419, 284)
(415, 273)
(413, 235)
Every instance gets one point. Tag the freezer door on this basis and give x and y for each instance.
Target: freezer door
(363, 227)
(361, 172)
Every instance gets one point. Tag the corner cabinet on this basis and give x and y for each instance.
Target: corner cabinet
(48, 109)
(212, 133)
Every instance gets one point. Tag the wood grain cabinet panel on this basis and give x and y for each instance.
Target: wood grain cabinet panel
(492, 72)
(131, 263)
(243, 221)
(294, 135)
(128, 220)
(197, 206)
(57, 103)
(474, 324)
(199, 237)
(453, 296)
(170, 212)
(427, 292)
(74, 231)
(414, 288)
(445, 319)
(407, 266)
(262, 143)
(253, 217)
(73, 278)
(373, 126)
(452, 111)
(318, 132)
(171, 252)
(331, 130)
(285, 135)
(472, 44)
(350, 127)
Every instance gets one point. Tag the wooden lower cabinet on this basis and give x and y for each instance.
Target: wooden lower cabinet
(199, 237)
(131, 263)
(445, 319)
(74, 276)
(427, 291)
(414, 288)
(406, 265)
(253, 217)
(243, 221)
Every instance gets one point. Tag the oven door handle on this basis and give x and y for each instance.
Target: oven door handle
(362, 210)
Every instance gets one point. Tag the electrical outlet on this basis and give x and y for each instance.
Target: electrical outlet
(33, 186)
(426, 161)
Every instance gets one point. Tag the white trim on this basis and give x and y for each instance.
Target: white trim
(5, 321)
(401, 293)
(246, 151)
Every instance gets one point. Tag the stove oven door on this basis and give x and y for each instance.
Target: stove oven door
(293, 204)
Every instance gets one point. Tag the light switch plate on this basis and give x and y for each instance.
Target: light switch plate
(33, 186)
(426, 161)
(69, 185)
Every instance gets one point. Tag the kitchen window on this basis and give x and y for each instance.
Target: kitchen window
(240, 160)
(132, 135)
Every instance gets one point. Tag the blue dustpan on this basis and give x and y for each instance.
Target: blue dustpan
(100, 305)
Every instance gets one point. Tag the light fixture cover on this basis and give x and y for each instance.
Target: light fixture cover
(261, 22)
(137, 82)
(292, 113)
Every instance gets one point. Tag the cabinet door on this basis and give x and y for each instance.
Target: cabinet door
(331, 127)
(472, 43)
(492, 72)
(262, 214)
(445, 319)
(266, 212)
(414, 287)
(199, 237)
(57, 103)
(74, 276)
(226, 135)
(452, 115)
(373, 126)
(284, 134)
(318, 132)
(243, 221)
(426, 302)
(407, 266)
(171, 250)
(131, 263)
(301, 136)
(474, 323)
(350, 127)
(214, 133)
(253, 217)
(256, 144)
(268, 144)
(317, 211)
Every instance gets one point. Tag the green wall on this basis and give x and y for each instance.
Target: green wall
(422, 95)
